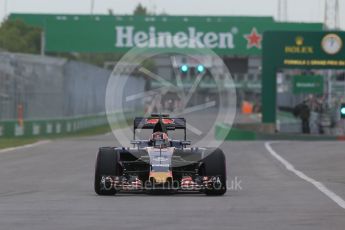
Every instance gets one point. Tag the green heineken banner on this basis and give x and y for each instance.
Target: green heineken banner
(307, 84)
(224, 35)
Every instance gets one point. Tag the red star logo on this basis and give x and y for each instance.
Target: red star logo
(254, 39)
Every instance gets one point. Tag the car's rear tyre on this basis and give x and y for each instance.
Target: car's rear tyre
(106, 164)
(214, 164)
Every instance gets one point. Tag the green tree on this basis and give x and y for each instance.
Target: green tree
(140, 10)
(16, 36)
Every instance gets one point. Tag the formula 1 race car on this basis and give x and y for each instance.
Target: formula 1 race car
(159, 163)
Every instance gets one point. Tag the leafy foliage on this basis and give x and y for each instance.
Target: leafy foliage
(16, 36)
(140, 10)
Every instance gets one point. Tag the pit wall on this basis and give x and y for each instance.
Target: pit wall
(49, 127)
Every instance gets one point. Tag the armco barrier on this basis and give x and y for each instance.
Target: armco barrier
(32, 128)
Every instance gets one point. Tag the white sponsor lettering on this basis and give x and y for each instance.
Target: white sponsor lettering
(226, 41)
(160, 158)
(127, 37)
(181, 40)
(124, 34)
(195, 38)
(211, 40)
(160, 165)
(141, 39)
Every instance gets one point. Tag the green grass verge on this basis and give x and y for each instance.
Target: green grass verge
(14, 142)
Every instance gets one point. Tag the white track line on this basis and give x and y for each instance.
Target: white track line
(24, 146)
(337, 199)
(108, 134)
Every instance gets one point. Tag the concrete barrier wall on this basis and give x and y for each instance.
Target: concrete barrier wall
(31, 128)
(47, 127)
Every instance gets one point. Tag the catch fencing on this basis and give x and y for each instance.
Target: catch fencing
(45, 95)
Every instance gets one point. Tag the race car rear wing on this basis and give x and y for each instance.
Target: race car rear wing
(150, 122)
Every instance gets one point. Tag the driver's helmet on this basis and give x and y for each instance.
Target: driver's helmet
(160, 139)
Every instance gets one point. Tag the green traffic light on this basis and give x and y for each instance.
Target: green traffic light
(342, 111)
(200, 68)
(184, 68)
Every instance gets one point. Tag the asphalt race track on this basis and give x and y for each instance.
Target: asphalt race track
(50, 186)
